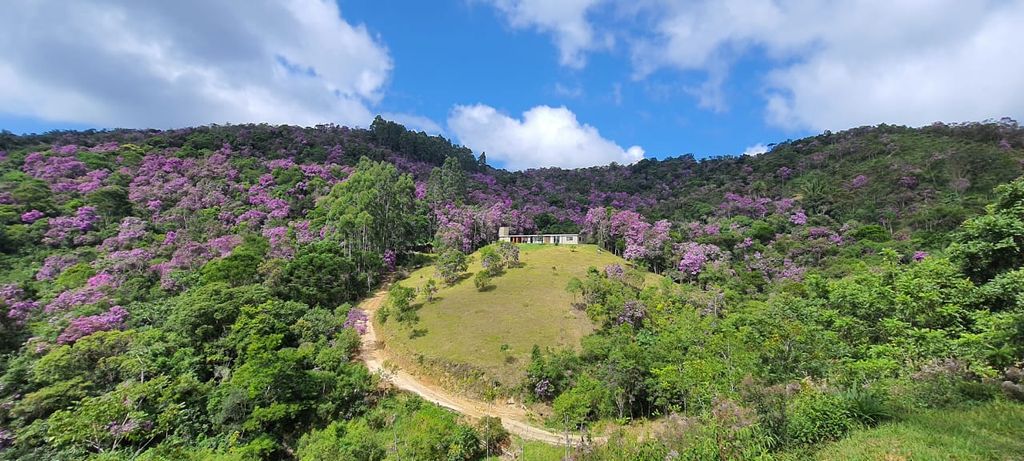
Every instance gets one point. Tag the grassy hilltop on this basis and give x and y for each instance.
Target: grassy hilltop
(493, 331)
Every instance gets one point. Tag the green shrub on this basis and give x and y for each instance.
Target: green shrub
(815, 416)
(482, 280)
(75, 276)
(871, 232)
(868, 406)
(491, 261)
(943, 384)
(586, 401)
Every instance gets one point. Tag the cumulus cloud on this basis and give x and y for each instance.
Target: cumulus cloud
(823, 65)
(836, 65)
(167, 64)
(566, 20)
(756, 149)
(544, 137)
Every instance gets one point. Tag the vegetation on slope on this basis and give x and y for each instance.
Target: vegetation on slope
(187, 292)
(985, 432)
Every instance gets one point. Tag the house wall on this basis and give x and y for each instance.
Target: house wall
(550, 239)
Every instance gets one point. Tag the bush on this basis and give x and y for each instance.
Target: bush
(482, 280)
(867, 405)
(815, 416)
(491, 261)
(510, 253)
(492, 434)
(429, 290)
(944, 383)
(400, 305)
(450, 266)
(588, 400)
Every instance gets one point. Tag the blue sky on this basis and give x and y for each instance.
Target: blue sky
(514, 70)
(532, 82)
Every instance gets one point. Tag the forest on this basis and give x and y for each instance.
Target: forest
(189, 294)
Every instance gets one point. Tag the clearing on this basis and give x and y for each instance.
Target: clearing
(514, 418)
(990, 431)
(466, 337)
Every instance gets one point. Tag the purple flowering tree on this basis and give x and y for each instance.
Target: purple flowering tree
(84, 326)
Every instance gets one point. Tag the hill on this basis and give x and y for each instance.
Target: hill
(186, 294)
(474, 338)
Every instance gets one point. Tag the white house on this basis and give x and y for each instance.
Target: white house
(554, 239)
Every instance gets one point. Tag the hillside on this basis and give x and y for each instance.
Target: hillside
(187, 294)
(465, 331)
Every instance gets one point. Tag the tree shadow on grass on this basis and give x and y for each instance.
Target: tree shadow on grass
(418, 333)
(487, 288)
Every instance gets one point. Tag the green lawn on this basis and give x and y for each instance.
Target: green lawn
(527, 305)
(993, 431)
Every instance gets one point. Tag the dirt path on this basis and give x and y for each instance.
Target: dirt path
(514, 418)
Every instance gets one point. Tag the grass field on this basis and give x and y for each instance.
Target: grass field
(992, 431)
(494, 331)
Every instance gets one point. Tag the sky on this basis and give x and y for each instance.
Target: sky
(533, 83)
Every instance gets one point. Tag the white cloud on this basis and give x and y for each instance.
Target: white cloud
(836, 65)
(545, 136)
(168, 64)
(565, 19)
(756, 149)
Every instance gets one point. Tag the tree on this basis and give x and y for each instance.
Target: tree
(993, 243)
(429, 290)
(400, 304)
(450, 265)
(492, 262)
(509, 253)
(320, 275)
(492, 434)
(371, 212)
(482, 280)
(241, 267)
(447, 184)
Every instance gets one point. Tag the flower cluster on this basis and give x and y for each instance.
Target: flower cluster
(390, 259)
(71, 299)
(280, 246)
(633, 313)
(63, 228)
(694, 256)
(356, 320)
(13, 298)
(6, 438)
(130, 231)
(85, 326)
(614, 271)
(31, 216)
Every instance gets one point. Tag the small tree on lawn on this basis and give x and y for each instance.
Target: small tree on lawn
(491, 261)
(450, 265)
(509, 253)
(400, 304)
(428, 290)
(482, 280)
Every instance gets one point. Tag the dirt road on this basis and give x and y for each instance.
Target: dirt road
(513, 417)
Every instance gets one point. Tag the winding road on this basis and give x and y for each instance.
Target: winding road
(513, 418)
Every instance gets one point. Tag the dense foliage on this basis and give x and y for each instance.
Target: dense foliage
(185, 294)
